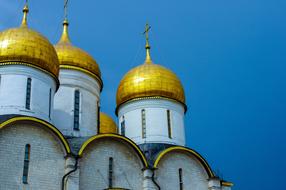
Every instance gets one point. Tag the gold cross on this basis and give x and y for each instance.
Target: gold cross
(146, 32)
(66, 8)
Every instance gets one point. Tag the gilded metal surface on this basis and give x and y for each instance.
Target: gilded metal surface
(149, 80)
(28, 46)
(25, 45)
(147, 46)
(106, 125)
(24, 20)
(226, 184)
(73, 56)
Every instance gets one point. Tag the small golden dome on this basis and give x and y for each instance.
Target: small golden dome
(106, 124)
(149, 80)
(71, 57)
(27, 47)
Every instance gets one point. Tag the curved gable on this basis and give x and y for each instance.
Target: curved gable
(10, 121)
(118, 137)
(188, 151)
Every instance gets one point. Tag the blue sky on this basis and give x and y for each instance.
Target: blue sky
(230, 56)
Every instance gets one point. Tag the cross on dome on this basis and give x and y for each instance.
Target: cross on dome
(147, 46)
(25, 11)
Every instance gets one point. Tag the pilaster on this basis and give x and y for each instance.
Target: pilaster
(148, 183)
(214, 183)
(72, 180)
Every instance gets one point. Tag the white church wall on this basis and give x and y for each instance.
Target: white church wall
(94, 166)
(156, 121)
(13, 87)
(226, 188)
(47, 162)
(72, 80)
(194, 175)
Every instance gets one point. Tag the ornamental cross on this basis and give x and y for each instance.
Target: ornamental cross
(66, 8)
(146, 32)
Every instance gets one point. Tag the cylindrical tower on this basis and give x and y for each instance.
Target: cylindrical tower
(77, 100)
(29, 69)
(151, 104)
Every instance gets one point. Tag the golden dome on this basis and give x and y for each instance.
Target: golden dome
(28, 47)
(71, 57)
(106, 124)
(149, 80)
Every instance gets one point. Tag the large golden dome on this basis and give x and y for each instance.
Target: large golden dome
(150, 80)
(71, 57)
(106, 124)
(28, 47)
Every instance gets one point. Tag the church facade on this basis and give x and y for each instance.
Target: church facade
(54, 137)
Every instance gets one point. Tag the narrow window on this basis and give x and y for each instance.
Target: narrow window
(110, 172)
(0, 81)
(122, 126)
(26, 164)
(143, 118)
(50, 102)
(98, 117)
(181, 178)
(28, 93)
(169, 124)
(76, 110)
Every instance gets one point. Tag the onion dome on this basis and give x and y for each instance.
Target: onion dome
(72, 57)
(106, 124)
(24, 46)
(149, 80)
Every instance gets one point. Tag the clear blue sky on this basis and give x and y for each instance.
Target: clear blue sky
(230, 56)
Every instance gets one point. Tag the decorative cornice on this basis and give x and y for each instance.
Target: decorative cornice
(148, 98)
(84, 71)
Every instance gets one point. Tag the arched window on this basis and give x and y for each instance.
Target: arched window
(28, 93)
(169, 124)
(143, 120)
(76, 110)
(181, 178)
(110, 172)
(122, 126)
(26, 164)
